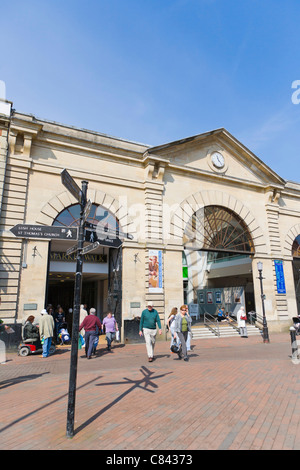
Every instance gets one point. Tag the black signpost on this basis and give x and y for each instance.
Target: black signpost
(80, 195)
(86, 232)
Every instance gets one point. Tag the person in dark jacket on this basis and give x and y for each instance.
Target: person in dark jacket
(90, 324)
(31, 330)
(149, 319)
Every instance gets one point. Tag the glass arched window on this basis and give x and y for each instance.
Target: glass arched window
(296, 247)
(219, 230)
(70, 216)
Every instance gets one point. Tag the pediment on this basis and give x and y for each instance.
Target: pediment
(196, 153)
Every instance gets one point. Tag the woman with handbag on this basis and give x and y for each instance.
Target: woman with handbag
(182, 327)
(171, 325)
(241, 317)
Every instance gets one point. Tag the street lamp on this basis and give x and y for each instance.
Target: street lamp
(265, 326)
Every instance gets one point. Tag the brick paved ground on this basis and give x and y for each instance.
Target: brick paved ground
(234, 393)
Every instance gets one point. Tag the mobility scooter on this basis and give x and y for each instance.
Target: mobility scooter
(32, 346)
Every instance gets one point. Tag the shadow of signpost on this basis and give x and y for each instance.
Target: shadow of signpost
(16, 380)
(43, 407)
(143, 383)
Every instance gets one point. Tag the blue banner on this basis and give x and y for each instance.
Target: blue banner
(279, 277)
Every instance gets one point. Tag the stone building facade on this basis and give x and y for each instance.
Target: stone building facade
(175, 200)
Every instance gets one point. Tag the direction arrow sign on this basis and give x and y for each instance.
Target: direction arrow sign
(91, 236)
(87, 210)
(91, 247)
(106, 231)
(72, 250)
(71, 185)
(44, 231)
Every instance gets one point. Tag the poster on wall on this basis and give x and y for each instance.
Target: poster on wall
(209, 297)
(201, 297)
(218, 297)
(227, 295)
(155, 271)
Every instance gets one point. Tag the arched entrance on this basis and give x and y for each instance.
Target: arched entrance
(218, 252)
(100, 269)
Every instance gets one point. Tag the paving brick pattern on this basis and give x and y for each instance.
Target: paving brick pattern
(233, 393)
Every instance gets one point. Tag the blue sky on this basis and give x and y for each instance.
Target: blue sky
(154, 71)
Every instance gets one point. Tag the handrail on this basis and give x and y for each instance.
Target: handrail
(207, 322)
(255, 318)
(233, 322)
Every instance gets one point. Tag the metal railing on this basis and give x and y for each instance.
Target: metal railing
(255, 319)
(233, 322)
(210, 323)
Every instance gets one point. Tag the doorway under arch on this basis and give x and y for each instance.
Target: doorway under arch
(101, 280)
(218, 253)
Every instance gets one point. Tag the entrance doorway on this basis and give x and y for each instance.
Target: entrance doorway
(218, 262)
(101, 275)
(61, 291)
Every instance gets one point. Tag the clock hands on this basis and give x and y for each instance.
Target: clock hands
(218, 160)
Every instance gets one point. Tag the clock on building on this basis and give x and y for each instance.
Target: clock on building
(218, 160)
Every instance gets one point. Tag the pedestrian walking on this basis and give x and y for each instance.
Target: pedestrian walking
(83, 313)
(90, 324)
(46, 329)
(171, 325)
(148, 322)
(241, 317)
(111, 326)
(182, 328)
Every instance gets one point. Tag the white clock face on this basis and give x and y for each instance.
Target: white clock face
(218, 160)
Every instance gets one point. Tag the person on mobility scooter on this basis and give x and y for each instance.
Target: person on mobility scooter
(31, 342)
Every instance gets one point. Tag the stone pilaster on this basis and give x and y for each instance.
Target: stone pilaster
(153, 191)
(13, 211)
(272, 211)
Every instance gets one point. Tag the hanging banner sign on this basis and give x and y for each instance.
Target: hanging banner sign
(279, 277)
(155, 272)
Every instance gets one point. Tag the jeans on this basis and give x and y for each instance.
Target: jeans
(46, 346)
(90, 337)
(110, 336)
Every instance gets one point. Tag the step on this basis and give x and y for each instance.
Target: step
(203, 332)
